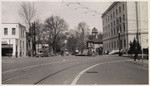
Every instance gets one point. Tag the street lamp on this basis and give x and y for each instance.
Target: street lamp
(119, 42)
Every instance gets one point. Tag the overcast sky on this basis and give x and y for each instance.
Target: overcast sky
(68, 13)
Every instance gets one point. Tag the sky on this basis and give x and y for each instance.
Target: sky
(68, 13)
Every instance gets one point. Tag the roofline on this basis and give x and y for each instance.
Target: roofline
(18, 24)
(110, 7)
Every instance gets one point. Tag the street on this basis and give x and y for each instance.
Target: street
(74, 70)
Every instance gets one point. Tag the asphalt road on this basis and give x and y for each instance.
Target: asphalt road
(74, 70)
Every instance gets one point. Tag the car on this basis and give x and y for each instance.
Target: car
(42, 54)
(113, 52)
(85, 53)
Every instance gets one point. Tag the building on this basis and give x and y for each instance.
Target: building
(13, 40)
(42, 48)
(95, 42)
(130, 20)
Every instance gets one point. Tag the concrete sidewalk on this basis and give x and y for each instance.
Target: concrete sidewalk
(144, 61)
(140, 61)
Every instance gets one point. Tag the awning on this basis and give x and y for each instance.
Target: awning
(7, 46)
(4, 42)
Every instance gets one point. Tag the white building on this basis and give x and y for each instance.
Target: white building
(128, 18)
(95, 42)
(13, 40)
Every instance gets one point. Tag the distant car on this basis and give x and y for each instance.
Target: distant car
(113, 52)
(42, 54)
(67, 53)
(85, 53)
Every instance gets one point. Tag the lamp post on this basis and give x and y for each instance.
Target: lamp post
(119, 42)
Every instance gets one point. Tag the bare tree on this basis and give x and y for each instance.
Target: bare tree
(53, 27)
(83, 31)
(27, 13)
(38, 34)
(38, 29)
(72, 41)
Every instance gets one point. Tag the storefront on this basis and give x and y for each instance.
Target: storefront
(7, 49)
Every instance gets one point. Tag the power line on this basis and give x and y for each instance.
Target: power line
(96, 12)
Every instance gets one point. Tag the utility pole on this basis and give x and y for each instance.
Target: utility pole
(31, 37)
(34, 41)
(137, 21)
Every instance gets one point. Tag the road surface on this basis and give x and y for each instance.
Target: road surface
(69, 70)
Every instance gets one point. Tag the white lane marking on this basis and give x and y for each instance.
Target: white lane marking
(79, 75)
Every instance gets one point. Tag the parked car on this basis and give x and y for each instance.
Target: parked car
(67, 53)
(85, 53)
(113, 52)
(42, 54)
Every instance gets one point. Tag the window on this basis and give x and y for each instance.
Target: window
(123, 6)
(120, 19)
(5, 31)
(116, 12)
(123, 17)
(114, 23)
(113, 14)
(13, 31)
(119, 9)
